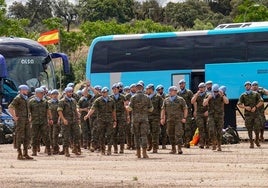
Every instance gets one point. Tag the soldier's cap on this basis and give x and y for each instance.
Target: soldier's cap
(54, 91)
(126, 87)
(182, 81)
(132, 85)
(23, 87)
(215, 87)
(39, 90)
(172, 88)
(68, 89)
(43, 87)
(255, 83)
(79, 92)
(115, 86)
(97, 87)
(159, 87)
(247, 83)
(202, 84)
(223, 89)
(105, 89)
(120, 84)
(70, 85)
(141, 82)
(150, 86)
(208, 82)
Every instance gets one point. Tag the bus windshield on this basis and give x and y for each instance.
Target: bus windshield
(33, 71)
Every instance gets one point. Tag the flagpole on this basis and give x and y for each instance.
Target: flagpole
(59, 50)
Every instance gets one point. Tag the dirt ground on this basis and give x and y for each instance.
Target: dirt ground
(235, 166)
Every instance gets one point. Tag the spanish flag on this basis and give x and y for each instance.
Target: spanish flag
(50, 37)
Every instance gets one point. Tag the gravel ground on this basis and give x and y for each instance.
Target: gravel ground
(235, 166)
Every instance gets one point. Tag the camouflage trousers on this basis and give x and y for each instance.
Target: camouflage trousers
(140, 130)
(201, 123)
(215, 125)
(56, 132)
(252, 123)
(71, 132)
(154, 131)
(105, 133)
(188, 129)
(40, 131)
(95, 141)
(86, 131)
(119, 132)
(23, 133)
(175, 131)
(163, 134)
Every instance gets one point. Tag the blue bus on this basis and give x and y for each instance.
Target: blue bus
(24, 61)
(226, 56)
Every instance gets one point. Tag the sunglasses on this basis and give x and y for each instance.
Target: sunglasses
(216, 91)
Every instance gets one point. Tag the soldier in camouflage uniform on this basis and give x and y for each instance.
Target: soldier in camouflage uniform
(82, 106)
(69, 116)
(129, 131)
(201, 115)
(53, 104)
(163, 128)
(251, 101)
(188, 127)
(215, 102)
(93, 121)
(38, 108)
(18, 108)
(255, 87)
(174, 113)
(106, 117)
(140, 105)
(154, 118)
(121, 115)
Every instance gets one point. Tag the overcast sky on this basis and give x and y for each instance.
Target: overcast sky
(162, 2)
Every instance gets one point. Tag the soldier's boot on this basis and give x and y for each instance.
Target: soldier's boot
(89, 145)
(155, 148)
(121, 148)
(214, 145)
(55, 150)
(85, 144)
(173, 150)
(62, 152)
(219, 147)
(75, 150)
(150, 144)
(38, 148)
(144, 153)
(48, 149)
(179, 149)
(34, 151)
(25, 154)
(109, 151)
(187, 145)
(251, 145)
(20, 157)
(79, 149)
(164, 146)
(138, 152)
(115, 148)
(257, 140)
(261, 135)
(66, 152)
(102, 148)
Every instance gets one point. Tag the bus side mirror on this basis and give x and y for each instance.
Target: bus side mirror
(3, 67)
(65, 61)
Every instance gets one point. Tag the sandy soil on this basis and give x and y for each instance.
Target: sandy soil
(235, 166)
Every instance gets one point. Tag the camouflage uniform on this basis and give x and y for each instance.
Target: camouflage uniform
(85, 126)
(188, 127)
(129, 131)
(140, 105)
(201, 120)
(261, 111)
(163, 129)
(120, 129)
(252, 119)
(72, 130)
(39, 118)
(154, 119)
(94, 126)
(104, 110)
(174, 110)
(56, 128)
(216, 120)
(22, 131)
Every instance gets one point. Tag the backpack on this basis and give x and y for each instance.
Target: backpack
(230, 136)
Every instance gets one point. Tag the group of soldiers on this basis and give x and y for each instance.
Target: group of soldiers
(137, 115)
